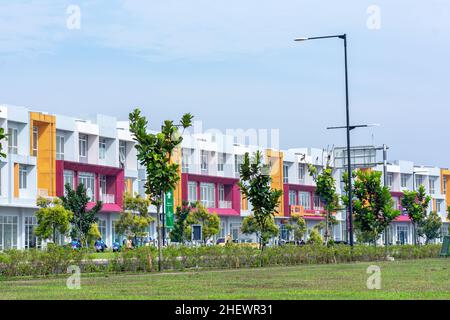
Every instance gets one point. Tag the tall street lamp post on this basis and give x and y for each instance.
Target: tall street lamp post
(348, 127)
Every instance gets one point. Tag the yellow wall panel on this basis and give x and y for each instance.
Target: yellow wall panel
(275, 159)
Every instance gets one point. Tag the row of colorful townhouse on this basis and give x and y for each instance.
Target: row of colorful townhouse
(45, 152)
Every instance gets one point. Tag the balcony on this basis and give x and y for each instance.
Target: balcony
(225, 204)
(108, 198)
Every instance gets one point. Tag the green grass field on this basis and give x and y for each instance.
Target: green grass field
(408, 279)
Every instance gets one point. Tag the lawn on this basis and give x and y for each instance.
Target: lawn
(407, 279)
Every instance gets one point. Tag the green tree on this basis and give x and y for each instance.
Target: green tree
(373, 206)
(52, 218)
(326, 191)
(250, 225)
(154, 153)
(3, 137)
(416, 204)
(255, 186)
(135, 218)
(93, 234)
(200, 215)
(297, 225)
(82, 219)
(178, 233)
(430, 227)
(315, 237)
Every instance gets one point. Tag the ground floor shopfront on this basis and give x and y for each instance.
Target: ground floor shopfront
(17, 225)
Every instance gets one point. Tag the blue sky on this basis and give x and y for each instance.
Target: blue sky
(233, 64)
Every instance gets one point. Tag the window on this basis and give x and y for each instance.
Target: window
(237, 164)
(12, 140)
(292, 198)
(185, 154)
(390, 179)
(222, 159)
(35, 141)
(221, 192)
(317, 203)
(431, 183)
(122, 152)
(192, 191)
(102, 148)
(285, 173)
(68, 179)
(207, 195)
(404, 180)
(31, 241)
(23, 173)
(438, 205)
(102, 228)
(8, 232)
(444, 184)
(60, 147)
(102, 182)
(395, 203)
(83, 144)
(304, 199)
(204, 161)
(87, 179)
(301, 173)
(419, 181)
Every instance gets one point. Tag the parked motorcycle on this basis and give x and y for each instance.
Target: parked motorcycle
(116, 246)
(75, 244)
(100, 245)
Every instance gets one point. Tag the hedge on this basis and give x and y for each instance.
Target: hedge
(55, 260)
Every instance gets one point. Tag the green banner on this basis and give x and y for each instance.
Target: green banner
(168, 209)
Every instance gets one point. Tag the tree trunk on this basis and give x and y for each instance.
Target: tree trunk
(54, 234)
(158, 229)
(326, 229)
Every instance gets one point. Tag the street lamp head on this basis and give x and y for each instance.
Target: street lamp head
(301, 39)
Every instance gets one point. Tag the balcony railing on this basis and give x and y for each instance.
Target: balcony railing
(225, 204)
(108, 198)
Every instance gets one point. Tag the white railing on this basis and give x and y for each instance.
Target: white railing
(108, 198)
(224, 204)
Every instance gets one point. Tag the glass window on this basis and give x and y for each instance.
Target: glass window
(185, 154)
(390, 179)
(192, 191)
(60, 147)
(35, 141)
(419, 181)
(237, 163)
(221, 161)
(102, 181)
(83, 144)
(438, 205)
(88, 180)
(68, 179)
(102, 148)
(207, 195)
(304, 199)
(396, 203)
(431, 183)
(23, 174)
(31, 241)
(317, 202)
(444, 184)
(12, 140)
(404, 180)
(301, 173)
(204, 161)
(122, 152)
(8, 232)
(292, 198)
(285, 173)
(102, 228)
(221, 192)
